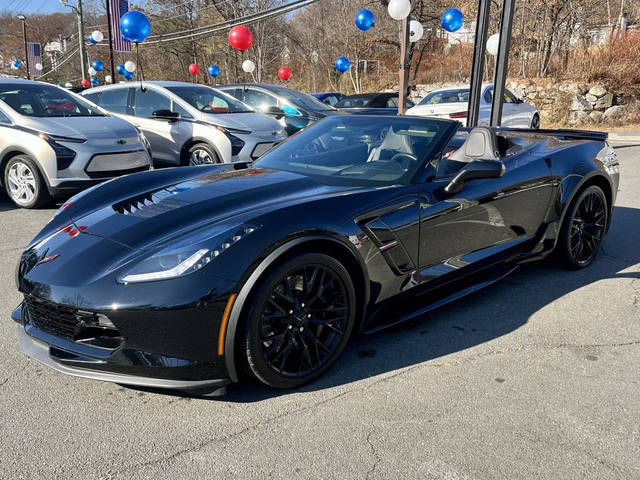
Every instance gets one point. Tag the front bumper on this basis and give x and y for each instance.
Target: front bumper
(256, 145)
(120, 365)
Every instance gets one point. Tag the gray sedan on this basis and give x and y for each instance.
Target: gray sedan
(189, 124)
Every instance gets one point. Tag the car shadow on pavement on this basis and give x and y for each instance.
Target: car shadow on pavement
(479, 318)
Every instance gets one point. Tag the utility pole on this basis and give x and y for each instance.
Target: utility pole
(83, 53)
(404, 64)
(23, 19)
(113, 70)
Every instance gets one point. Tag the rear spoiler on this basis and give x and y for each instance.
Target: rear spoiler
(564, 134)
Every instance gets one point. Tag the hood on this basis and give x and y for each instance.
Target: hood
(236, 196)
(253, 122)
(91, 128)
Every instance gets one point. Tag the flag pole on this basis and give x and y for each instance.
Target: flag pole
(113, 71)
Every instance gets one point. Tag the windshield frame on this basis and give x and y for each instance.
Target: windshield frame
(418, 174)
(230, 99)
(35, 89)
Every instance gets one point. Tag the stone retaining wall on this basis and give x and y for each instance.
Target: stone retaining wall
(572, 103)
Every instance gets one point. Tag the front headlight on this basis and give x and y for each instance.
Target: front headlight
(187, 256)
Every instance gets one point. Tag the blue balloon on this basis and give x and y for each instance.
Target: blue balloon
(60, 84)
(16, 64)
(452, 19)
(128, 75)
(94, 81)
(97, 65)
(91, 40)
(213, 70)
(364, 19)
(342, 64)
(135, 26)
(120, 69)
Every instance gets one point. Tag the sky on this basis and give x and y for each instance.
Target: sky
(37, 6)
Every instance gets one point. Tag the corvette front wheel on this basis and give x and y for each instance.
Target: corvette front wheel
(301, 319)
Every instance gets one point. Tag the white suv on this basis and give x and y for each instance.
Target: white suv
(190, 124)
(54, 143)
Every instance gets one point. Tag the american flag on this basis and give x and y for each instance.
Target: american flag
(118, 8)
(34, 55)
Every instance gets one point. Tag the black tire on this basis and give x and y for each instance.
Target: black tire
(276, 348)
(201, 154)
(535, 121)
(583, 228)
(34, 193)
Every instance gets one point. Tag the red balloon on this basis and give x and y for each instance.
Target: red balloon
(85, 83)
(194, 69)
(240, 37)
(284, 73)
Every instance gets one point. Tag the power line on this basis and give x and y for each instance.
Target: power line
(247, 19)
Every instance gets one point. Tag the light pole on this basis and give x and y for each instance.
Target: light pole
(83, 53)
(23, 19)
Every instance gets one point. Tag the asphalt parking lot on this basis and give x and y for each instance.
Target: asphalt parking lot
(535, 377)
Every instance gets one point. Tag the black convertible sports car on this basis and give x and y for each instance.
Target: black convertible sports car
(195, 277)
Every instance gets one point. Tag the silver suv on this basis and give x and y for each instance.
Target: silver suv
(53, 142)
(190, 124)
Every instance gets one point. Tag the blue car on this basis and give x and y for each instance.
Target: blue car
(330, 98)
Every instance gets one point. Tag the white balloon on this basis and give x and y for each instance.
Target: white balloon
(248, 66)
(97, 36)
(415, 30)
(399, 9)
(130, 66)
(68, 85)
(107, 79)
(492, 44)
(38, 66)
(92, 71)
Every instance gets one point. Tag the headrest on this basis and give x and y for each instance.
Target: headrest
(481, 144)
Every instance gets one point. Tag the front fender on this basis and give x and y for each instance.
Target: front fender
(254, 273)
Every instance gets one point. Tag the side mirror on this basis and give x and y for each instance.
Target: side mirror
(165, 114)
(275, 111)
(473, 170)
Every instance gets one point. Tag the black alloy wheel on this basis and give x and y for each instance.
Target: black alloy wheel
(584, 228)
(535, 121)
(300, 322)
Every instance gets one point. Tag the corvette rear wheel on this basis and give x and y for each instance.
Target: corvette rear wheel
(583, 228)
(300, 322)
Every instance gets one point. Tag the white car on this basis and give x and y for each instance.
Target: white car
(453, 102)
(55, 143)
(190, 124)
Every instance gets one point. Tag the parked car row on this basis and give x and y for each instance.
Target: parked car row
(54, 142)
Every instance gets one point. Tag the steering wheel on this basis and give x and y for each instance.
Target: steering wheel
(398, 158)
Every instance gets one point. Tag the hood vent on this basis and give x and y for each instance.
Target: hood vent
(150, 204)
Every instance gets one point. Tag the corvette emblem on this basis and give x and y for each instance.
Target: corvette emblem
(48, 259)
(121, 141)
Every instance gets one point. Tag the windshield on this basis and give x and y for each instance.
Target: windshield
(363, 150)
(304, 100)
(38, 100)
(208, 100)
(354, 102)
(446, 96)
